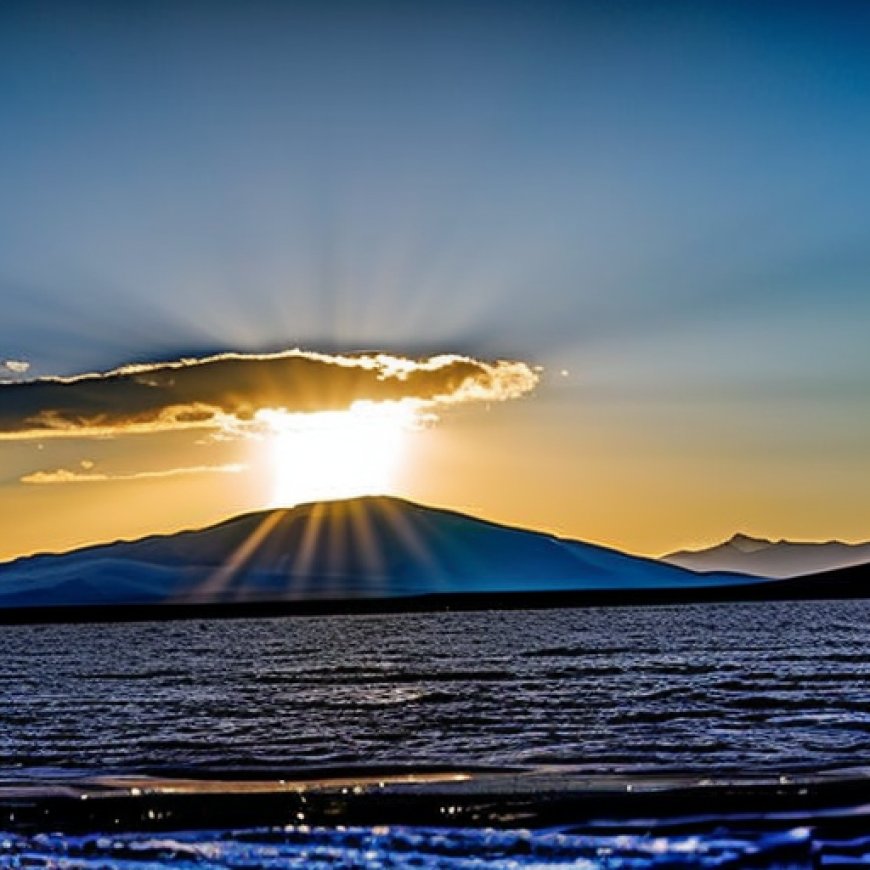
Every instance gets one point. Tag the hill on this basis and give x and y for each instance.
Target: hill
(774, 559)
(366, 548)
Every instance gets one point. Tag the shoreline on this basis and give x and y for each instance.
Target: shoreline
(809, 588)
(535, 799)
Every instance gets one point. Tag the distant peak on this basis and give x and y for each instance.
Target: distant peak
(747, 543)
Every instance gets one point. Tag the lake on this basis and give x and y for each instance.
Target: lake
(727, 687)
(770, 689)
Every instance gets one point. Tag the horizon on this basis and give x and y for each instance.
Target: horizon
(434, 433)
(308, 505)
(596, 270)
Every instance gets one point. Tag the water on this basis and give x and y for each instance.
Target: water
(319, 849)
(773, 687)
(761, 688)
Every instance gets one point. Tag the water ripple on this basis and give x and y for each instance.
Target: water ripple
(773, 686)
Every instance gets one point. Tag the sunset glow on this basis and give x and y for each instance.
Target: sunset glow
(621, 254)
(338, 454)
(434, 433)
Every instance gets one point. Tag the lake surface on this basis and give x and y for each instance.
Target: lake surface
(773, 687)
(396, 848)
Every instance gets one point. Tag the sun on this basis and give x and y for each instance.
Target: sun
(337, 454)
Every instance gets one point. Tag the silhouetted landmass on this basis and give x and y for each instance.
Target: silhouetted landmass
(370, 555)
(327, 554)
(830, 586)
(775, 559)
(851, 582)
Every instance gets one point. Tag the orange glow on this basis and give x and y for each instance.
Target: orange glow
(338, 454)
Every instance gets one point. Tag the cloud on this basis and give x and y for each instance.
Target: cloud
(64, 475)
(225, 392)
(15, 366)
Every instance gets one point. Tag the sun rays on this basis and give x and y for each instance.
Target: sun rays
(322, 551)
(338, 454)
(295, 426)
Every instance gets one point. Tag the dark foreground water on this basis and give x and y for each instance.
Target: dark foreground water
(761, 688)
(744, 687)
(319, 849)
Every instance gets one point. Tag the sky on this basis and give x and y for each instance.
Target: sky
(632, 240)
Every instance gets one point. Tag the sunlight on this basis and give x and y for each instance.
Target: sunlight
(338, 454)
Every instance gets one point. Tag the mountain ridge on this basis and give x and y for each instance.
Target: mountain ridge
(377, 546)
(302, 506)
(775, 559)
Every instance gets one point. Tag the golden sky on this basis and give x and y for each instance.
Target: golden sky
(667, 202)
(247, 432)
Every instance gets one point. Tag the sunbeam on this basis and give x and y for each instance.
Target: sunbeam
(338, 454)
(221, 580)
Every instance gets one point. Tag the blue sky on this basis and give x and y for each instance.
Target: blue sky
(669, 200)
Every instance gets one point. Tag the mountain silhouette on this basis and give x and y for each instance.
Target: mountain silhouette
(372, 547)
(774, 559)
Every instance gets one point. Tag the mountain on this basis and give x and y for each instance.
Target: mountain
(374, 547)
(774, 559)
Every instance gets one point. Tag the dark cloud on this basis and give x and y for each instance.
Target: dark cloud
(227, 389)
